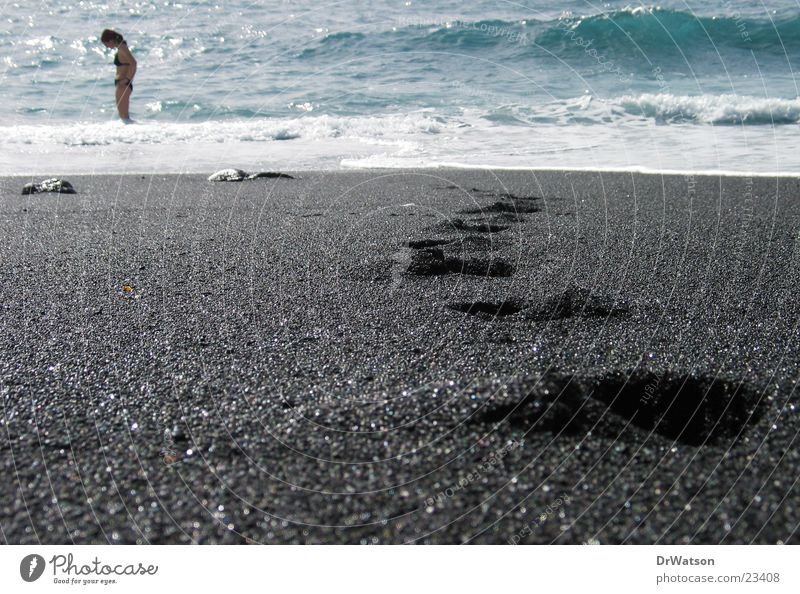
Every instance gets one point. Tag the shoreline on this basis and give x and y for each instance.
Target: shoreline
(455, 168)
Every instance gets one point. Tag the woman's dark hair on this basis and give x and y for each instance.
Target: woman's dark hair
(111, 35)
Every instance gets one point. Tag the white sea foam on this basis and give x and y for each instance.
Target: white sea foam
(510, 138)
(661, 108)
(378, 128)
(711, 109)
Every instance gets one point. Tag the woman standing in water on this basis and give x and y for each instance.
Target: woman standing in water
(126, 70)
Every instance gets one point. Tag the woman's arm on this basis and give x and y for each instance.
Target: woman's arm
(127, 57)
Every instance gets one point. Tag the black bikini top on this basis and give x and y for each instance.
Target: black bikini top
(116, 57)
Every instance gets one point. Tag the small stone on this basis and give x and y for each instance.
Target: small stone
(228, 175)
(54, 184)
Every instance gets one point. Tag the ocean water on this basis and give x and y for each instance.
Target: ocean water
(296, 84)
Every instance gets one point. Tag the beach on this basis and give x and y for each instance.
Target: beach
(401, 356)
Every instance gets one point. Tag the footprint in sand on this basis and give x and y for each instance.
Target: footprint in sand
(433, 262)
(470, 226)
(576, 302)
(513, 207)
(690, 409)
(488, 309)
(428, 243)
(573, 302)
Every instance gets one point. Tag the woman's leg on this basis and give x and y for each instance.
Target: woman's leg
(123, 100)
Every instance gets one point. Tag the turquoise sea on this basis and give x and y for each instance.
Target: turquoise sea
(682, 86)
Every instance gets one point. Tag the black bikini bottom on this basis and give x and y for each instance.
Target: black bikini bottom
(130, 84)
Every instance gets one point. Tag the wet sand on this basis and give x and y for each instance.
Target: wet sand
(401, 357)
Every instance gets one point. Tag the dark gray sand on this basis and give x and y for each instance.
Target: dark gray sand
(399, 357)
